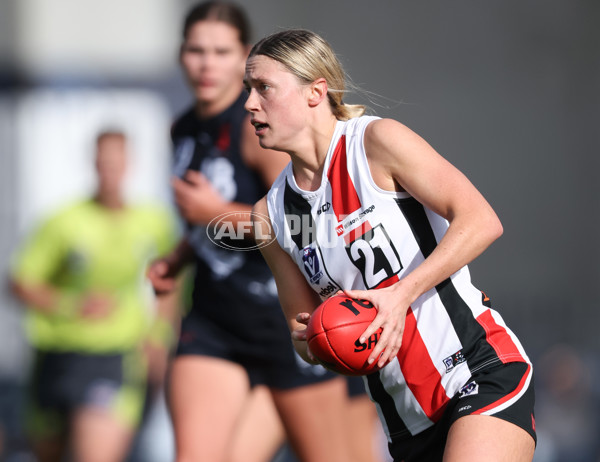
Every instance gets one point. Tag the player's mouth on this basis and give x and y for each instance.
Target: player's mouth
(259, 127)
(204, 83)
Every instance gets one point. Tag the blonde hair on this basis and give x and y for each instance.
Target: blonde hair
(309, 57)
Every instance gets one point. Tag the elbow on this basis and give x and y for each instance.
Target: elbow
(495, 228)
(14, 288)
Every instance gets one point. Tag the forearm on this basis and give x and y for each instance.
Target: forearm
(41, 297)
(466, 239)
(180, 256)
(296, 297)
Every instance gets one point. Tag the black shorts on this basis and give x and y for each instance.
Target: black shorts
(65, 382)
(356, 386)
(489, 392)
(270, 361)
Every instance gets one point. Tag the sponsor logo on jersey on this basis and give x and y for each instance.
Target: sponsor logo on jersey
(311, 264)
(453, 360)
(348, 222)
(241, 231)
(324, 208)
(328, 289)
(471, 388)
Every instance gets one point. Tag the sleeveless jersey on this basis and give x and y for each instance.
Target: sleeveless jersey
(351, 234)
(227, 283)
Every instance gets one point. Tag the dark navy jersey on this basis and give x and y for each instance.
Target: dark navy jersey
(229, 283)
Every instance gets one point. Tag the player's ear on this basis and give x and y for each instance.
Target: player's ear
(317, 92)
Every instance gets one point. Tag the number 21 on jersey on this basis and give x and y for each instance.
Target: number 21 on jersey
(375, 256)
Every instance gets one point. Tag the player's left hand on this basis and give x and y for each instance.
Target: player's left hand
(391, 315)
(299, 335)
(196, 198)
(96, 306)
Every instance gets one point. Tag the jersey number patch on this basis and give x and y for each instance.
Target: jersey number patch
(375, 256)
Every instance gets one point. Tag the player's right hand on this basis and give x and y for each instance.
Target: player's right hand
(96, 306)
(161, 277)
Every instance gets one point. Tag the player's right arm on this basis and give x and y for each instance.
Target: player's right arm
(41, 297)
(296, 297)
(50, 300)
(39, 258)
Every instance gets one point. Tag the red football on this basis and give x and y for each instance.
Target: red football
(333, 334)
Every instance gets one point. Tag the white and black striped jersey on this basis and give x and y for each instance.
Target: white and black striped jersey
(351, 234)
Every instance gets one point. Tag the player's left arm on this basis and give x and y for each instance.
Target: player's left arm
(399, 159)
(297, 299)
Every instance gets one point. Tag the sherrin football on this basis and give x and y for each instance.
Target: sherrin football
(333, 334)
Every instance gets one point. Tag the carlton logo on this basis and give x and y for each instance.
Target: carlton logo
(241, 231)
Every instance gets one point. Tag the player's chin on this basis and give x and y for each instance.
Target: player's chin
(268, 142)
(264, 143)
(207, 94)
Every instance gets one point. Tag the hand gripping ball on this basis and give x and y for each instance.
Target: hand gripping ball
(333, 334)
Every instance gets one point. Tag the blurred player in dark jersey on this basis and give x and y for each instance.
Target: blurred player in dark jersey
(236, 377)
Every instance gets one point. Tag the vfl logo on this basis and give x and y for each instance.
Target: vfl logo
(470, 388)
(311, 264)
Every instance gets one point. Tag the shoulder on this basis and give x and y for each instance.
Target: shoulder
(153, 213)
(70, 212)
(60, 225)
(151, 209)
(388, 137)
(261, 206)
(359, 124)
(382, 129)
(354, 130)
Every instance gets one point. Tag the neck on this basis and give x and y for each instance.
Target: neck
(110, 201)
(308, 162)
